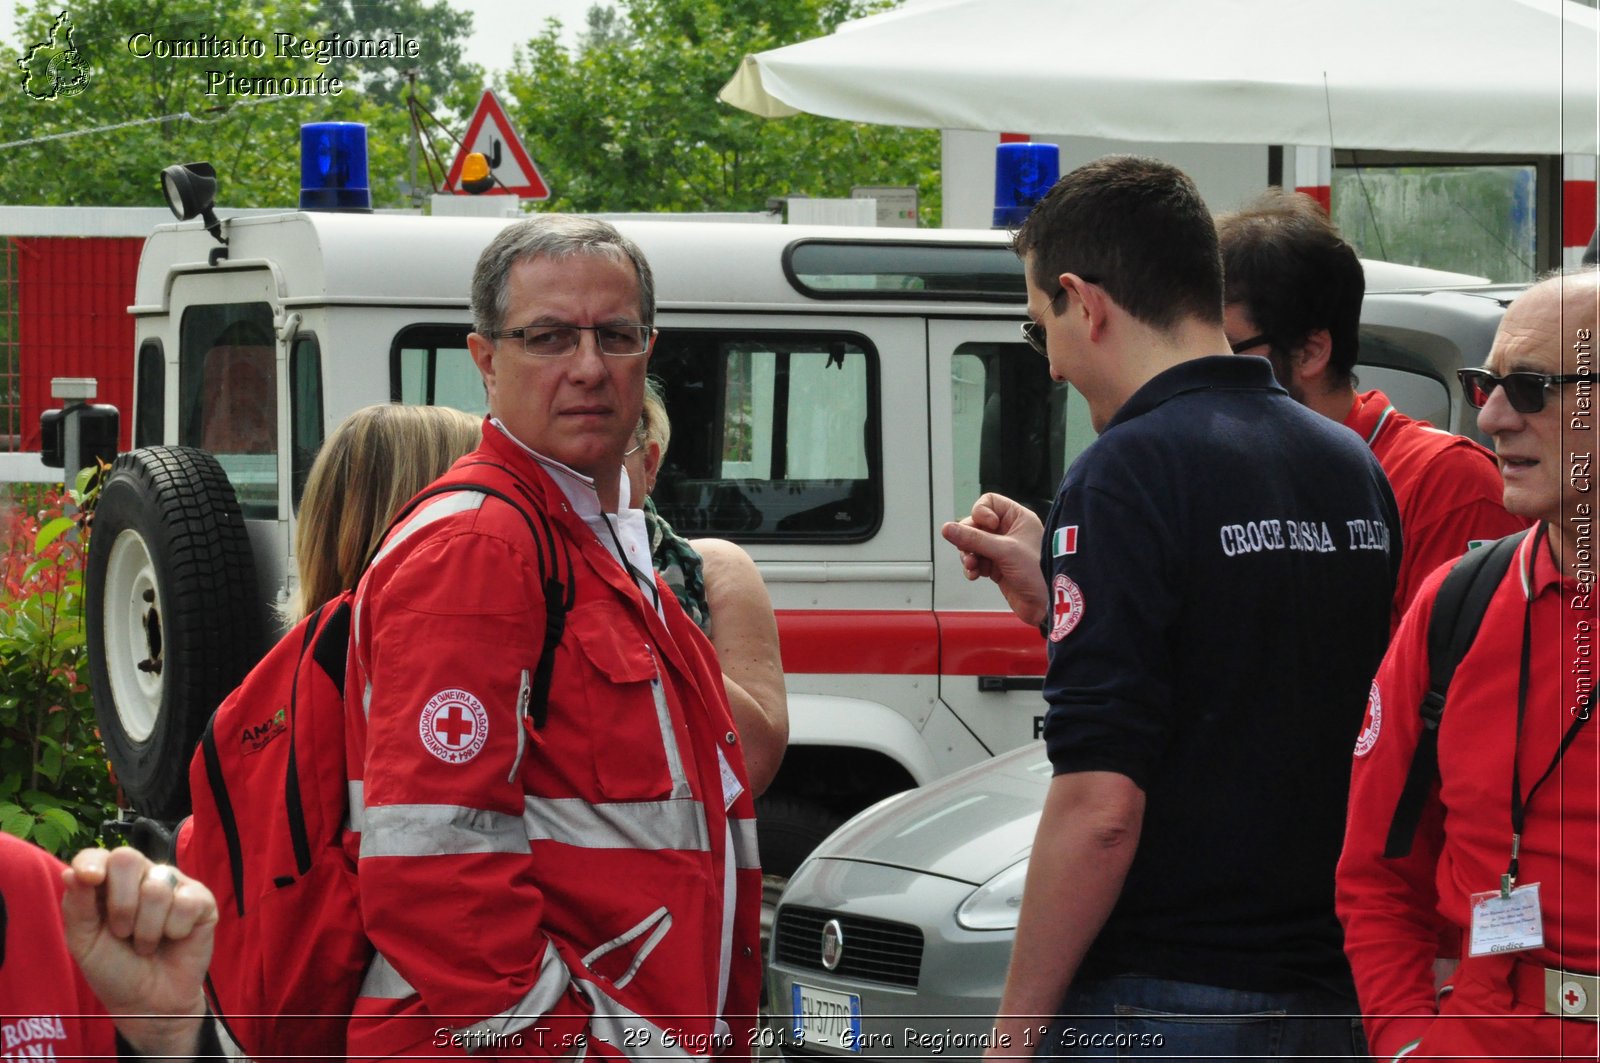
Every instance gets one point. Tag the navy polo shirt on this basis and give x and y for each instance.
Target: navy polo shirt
(1220, 563)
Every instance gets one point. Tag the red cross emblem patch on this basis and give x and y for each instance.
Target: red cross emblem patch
(1373, 723)
(454, 726)
(1574, 1001)
(1066, 607)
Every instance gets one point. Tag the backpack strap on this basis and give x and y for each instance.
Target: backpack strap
(1458, 611)
(559, 594)
(326, 642)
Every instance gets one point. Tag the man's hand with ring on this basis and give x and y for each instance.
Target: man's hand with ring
(142, 935)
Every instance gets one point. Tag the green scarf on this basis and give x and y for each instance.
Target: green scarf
(679, 565)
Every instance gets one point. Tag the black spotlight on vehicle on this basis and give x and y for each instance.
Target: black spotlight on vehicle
(191, 191)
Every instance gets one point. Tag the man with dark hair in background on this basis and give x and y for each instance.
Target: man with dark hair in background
(1293, 295)
(1215, 591)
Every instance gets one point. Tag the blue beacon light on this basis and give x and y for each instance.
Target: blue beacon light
(1023, 173)
(333, 167)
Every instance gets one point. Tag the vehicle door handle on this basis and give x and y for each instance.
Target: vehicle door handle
(999, 684)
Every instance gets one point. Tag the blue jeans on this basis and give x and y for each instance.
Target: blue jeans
(1134, 1017)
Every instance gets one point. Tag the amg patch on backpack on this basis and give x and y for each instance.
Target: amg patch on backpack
(254, 737)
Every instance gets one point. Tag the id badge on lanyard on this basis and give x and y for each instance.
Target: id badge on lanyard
(1509, 919)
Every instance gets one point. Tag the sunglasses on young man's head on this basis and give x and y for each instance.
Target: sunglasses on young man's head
(1524, 391)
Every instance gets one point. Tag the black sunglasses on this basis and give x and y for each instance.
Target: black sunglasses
(1033, 332)
(1263, 340)
(1524, 391)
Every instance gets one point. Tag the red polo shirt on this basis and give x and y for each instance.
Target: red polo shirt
(1448, 489)
(1391, 909)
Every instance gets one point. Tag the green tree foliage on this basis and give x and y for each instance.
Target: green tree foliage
(631, 120)
(604, 27)
(252, 140)
(439, 29)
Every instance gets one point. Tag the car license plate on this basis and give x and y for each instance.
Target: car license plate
(823, 1017)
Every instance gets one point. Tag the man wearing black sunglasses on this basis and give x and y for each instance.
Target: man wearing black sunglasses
(1293, 296)
(1215, 591)
(1508, 850)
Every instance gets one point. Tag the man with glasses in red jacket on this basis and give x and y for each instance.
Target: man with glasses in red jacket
(565, 876)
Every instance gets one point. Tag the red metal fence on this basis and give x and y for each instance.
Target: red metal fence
(69, 318)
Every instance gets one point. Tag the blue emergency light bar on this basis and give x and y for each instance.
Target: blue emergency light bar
(333, 167)
(1023, 173)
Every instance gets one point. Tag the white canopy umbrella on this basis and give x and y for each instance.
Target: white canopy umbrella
(1422, 75)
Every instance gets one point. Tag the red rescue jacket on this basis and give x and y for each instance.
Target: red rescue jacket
(530, 891)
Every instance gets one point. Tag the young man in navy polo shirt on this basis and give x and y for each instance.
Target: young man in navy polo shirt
(1215, 590)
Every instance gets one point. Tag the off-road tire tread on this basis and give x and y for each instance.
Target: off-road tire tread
(212, 617)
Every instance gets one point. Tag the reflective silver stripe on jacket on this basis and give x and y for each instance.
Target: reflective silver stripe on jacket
(355, 815)
(628, 1032)
(657, 923)
(648, 825)
(669, 737)
(545, 994)
(463, 501)
(746, 854)
(439, 830)
(383, 982)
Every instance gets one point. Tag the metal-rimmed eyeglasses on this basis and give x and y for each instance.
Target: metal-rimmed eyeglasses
(1525, 391)
(558, 341)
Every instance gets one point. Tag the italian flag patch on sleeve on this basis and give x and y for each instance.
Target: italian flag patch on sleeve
(1066, 541)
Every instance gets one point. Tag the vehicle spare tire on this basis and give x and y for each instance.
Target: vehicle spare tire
(788, 828)
(174, 615)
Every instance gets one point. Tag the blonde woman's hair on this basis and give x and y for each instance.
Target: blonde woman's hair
(367, 469)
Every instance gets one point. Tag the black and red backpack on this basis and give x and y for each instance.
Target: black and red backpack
(269, 830)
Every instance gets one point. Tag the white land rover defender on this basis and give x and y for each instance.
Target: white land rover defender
(835, 395)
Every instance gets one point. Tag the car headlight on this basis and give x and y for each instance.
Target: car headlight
(995, 904)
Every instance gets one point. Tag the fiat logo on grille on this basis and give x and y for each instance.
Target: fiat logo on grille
(832, 944)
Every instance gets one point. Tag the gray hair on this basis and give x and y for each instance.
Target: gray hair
(551, 236)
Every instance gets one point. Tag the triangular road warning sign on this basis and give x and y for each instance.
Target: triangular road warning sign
(490, 133)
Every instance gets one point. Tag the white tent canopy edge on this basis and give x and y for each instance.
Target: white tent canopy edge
(1479, 76)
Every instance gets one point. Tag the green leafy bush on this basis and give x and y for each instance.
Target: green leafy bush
(55, 788)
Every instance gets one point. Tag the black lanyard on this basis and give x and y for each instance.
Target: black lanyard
(1519, 804)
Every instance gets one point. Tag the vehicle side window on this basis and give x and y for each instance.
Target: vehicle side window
(1015, 430)
(775, 435)
(229, 397)
(1423, 397)
(430, 366)
(150, 407)
(305, 410)
(1405, 365)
